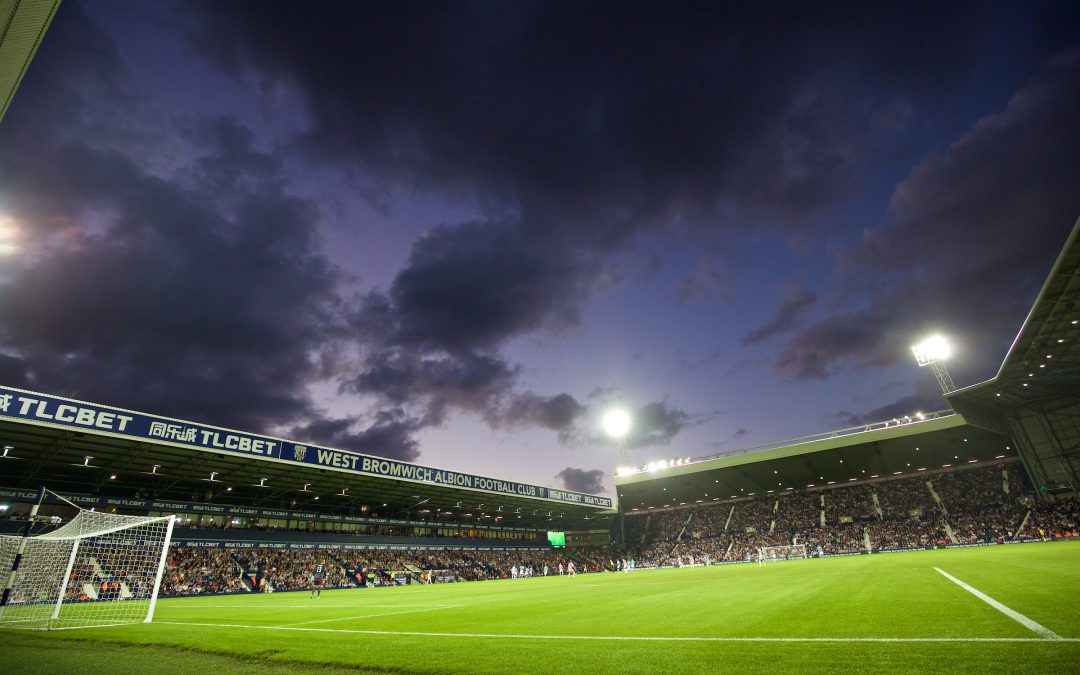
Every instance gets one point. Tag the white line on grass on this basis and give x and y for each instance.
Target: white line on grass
(1012, 614)
(369, 616)
(610, 638)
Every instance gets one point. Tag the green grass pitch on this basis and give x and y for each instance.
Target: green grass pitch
(890, 612)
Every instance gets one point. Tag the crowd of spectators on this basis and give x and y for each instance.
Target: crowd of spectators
(855, 502)
(755, 513)
(973, 489)
(666, 525)
(1055, 519)
(833, 539)
(982, 504)
(711, 517)
(905, 533)
(900, 498)
(289, 570)
(192, 571)
(798, 511)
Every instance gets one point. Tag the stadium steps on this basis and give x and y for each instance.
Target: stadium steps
(1023, 524)
(877, 505)
(948, 531)
(866, 540)
(686, 524)
(937, 499)
(729, 516)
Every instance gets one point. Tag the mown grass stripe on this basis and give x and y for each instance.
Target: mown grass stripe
(619, 638)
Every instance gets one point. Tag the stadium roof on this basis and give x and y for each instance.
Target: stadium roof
(22, 26)
(1042, 368)
(82, 447)
(1035, 397)
(876, 452)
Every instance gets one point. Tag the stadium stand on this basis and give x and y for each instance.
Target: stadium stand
(980, 504)
(198, 571)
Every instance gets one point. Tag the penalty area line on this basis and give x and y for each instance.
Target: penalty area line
(614, 638)
(1011, 613)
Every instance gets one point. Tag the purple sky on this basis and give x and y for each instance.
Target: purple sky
(456, 233)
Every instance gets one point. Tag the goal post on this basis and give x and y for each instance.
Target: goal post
(789, 552)
(98, 569)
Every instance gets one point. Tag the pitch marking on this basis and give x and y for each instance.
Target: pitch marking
(1012, 614)
(612, 638)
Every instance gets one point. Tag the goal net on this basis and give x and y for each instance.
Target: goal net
(99, 569)
(791, 552)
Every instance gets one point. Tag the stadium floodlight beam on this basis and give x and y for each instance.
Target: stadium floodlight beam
(616, 424)
(933, 352)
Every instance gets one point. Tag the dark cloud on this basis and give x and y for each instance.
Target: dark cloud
(203, 289)
(473, 285)
(972, 236)
(577, 127)
(811, 352)
(558, 413)
(175, 266)
(389, 434)
(431, 340)
(233, 162)
(784, 320)
(596, 120)
(580, 480)
(132, 287)
(13, 371)
(471, 382)
(657, 423)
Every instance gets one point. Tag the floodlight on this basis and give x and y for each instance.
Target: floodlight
(931, 350)
(616, 423)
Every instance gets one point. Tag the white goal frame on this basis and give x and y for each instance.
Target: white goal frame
(789, 552)
(99, 569)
